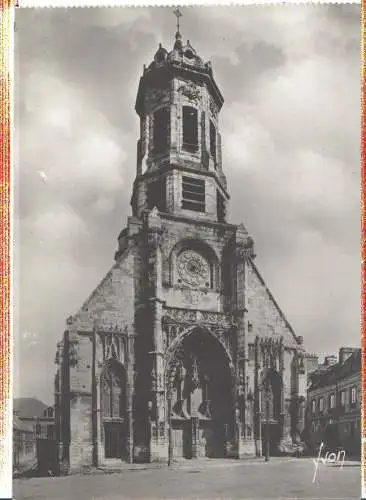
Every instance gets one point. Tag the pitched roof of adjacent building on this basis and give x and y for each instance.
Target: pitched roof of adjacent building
(324, 376)
(29, 407)
(19, 425)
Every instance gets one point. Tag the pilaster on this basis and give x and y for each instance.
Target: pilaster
(195, 437)
(257, 400)
(158, 435)
(130, 392)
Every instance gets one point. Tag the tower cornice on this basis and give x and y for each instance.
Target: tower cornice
(169, 168)
(155, 76)
(188, 220)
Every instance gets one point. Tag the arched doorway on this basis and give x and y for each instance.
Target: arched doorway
(271, 384)
(113, 410)
(200, 390)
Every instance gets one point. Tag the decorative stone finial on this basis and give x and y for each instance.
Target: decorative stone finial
(178, 37)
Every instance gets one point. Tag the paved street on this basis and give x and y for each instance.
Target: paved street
(280, 478)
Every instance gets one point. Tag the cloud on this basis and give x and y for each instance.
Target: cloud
(290, 136)
(78, 149)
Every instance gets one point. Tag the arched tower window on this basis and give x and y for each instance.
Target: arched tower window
(156, 194)
(190, 128)
(213, 141)
(161, 130)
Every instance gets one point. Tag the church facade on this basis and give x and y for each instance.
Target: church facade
(181, 351)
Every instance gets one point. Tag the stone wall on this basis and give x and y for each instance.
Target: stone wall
(108, 311)
(264, 314)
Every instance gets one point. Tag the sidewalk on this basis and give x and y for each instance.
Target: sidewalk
(198, 464)
(123, 466)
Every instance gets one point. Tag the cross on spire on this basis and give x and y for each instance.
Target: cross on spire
(177, 14)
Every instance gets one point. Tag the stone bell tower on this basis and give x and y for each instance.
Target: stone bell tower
(179, 168)
(181, 351)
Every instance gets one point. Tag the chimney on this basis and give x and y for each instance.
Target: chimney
(346, 352)
(311, 361)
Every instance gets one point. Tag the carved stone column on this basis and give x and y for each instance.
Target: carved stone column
(245, 443)
(158, 441)
(282, 373)
(286, 402)
(302, 383)
(195, 437)
(257, 400)
(130, 392)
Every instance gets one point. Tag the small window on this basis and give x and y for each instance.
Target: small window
(193, 194)
(189, 54)
(313, 406)
(156, 195)
(343, 398)
(161, 130)
(221, 209)
(160, 56)
(331, 401)
(353, 396)
(213, 141)
(321, 404)
(50, 432)
(190, 129)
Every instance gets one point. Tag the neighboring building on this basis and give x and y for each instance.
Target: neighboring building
(37, 415)
(24, 443)
(32, 420)
(181, 351)
(334, 402)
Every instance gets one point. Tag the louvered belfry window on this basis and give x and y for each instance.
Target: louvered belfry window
(193, 194)
(190, 129)
(161, 130)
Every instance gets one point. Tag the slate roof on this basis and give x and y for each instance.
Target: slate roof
(339, 371)
(19, 425)
(29, 407)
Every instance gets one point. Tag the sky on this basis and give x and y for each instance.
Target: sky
(290, 125)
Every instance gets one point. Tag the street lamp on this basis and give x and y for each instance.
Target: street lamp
(150, 406)
(170, 437)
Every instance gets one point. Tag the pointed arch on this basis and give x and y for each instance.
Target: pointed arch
(200, 389)
(113, 390)
(271, 384)
(175, 351)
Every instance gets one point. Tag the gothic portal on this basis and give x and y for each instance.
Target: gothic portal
(181, 351)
